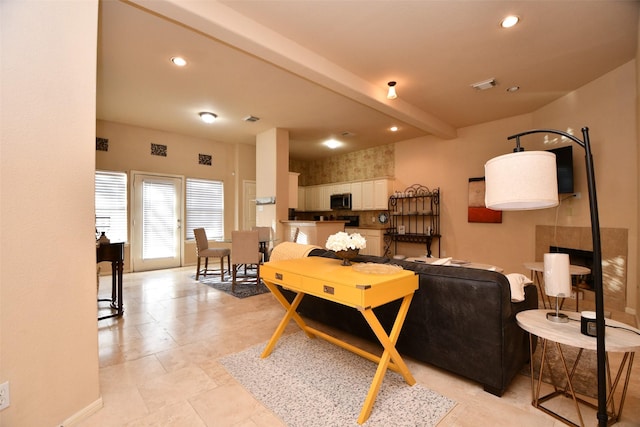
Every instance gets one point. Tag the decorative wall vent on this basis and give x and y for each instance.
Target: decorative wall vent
(205, 159)
(158, 150)
(102, 144)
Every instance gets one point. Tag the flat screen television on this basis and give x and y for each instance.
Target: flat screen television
(564, 165)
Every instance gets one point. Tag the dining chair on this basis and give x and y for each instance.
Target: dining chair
(245, 252)
(264, 237)
(204, 251)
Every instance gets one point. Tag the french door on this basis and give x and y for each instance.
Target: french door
(156, 222)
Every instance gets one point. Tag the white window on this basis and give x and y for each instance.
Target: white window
(111, 205)
(205, 207)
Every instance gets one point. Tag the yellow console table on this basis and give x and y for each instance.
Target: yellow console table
(326, 278)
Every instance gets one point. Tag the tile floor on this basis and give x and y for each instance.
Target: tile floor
(158, 364)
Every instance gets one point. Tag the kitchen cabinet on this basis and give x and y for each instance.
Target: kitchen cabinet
(375, 194)
(302, 199)
(365, 195)
(325, 197)
(356, 196)
(374, 238)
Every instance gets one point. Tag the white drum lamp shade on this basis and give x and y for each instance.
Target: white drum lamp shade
(557, 279)
(521, 181)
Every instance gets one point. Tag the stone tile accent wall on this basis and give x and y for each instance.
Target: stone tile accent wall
(376, 162)
(614, 258)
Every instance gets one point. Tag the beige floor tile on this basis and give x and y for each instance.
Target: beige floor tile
(229, 402)
(159, 363)
(179, 414)
(175, 386)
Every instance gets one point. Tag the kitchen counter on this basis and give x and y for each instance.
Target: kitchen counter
(303, 221)
(311, 232)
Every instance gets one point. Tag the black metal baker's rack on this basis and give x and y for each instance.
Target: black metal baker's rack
(414, 217)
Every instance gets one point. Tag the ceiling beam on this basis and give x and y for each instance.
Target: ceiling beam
(224, 24)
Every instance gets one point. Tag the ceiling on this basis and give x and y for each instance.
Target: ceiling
(320, 68)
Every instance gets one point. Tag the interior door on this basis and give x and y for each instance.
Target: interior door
(157, 219)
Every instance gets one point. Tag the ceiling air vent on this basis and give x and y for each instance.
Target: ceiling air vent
(484, 85)
(346, 133)
(251, 119)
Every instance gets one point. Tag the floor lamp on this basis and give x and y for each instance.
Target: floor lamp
(527, 180)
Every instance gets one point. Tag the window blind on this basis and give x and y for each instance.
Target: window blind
(205, 207)
(111, 205)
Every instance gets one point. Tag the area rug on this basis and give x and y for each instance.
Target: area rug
(585, 378)
(313, 383)
(245, 285)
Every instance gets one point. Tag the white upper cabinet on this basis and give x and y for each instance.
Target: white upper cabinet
(365, 195)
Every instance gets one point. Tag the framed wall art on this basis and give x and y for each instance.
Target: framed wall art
(478, 212)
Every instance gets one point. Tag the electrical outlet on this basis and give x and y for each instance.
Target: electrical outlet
(4, 395)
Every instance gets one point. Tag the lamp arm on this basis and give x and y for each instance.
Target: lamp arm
(557, 132)
(597, 263)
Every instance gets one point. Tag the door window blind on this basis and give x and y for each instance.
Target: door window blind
(158, 220)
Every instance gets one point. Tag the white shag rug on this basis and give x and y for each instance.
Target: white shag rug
(311, 382)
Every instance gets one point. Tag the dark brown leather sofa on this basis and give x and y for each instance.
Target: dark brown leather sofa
(460, 319)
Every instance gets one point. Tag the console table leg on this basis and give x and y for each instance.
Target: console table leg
(290, 314)
(390, 352)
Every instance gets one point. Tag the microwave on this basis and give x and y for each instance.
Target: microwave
(341, 201)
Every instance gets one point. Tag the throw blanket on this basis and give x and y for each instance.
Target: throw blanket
(518, 282)
(291, 250)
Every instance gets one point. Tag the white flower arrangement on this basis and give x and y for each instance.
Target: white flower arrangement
(342, 241)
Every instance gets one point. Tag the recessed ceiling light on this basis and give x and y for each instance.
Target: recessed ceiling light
(513, 89)
(393, 128)
(179, 61)
(208, 117)
(509, 21)
(332, 143)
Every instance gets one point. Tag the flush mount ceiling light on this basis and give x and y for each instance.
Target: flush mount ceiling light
(509, 21)
(391, 94)
(179, 61)
(208, 117)
(393, 128)
(332, 143)
(484, 85)
(513, 89)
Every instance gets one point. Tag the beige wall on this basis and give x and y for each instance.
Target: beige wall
(636, 260)
(48, 327)
(606, 105)
(130, 150)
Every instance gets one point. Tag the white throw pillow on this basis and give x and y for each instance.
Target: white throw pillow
(518, 282)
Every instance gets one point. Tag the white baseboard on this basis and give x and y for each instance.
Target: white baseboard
(83, 413)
